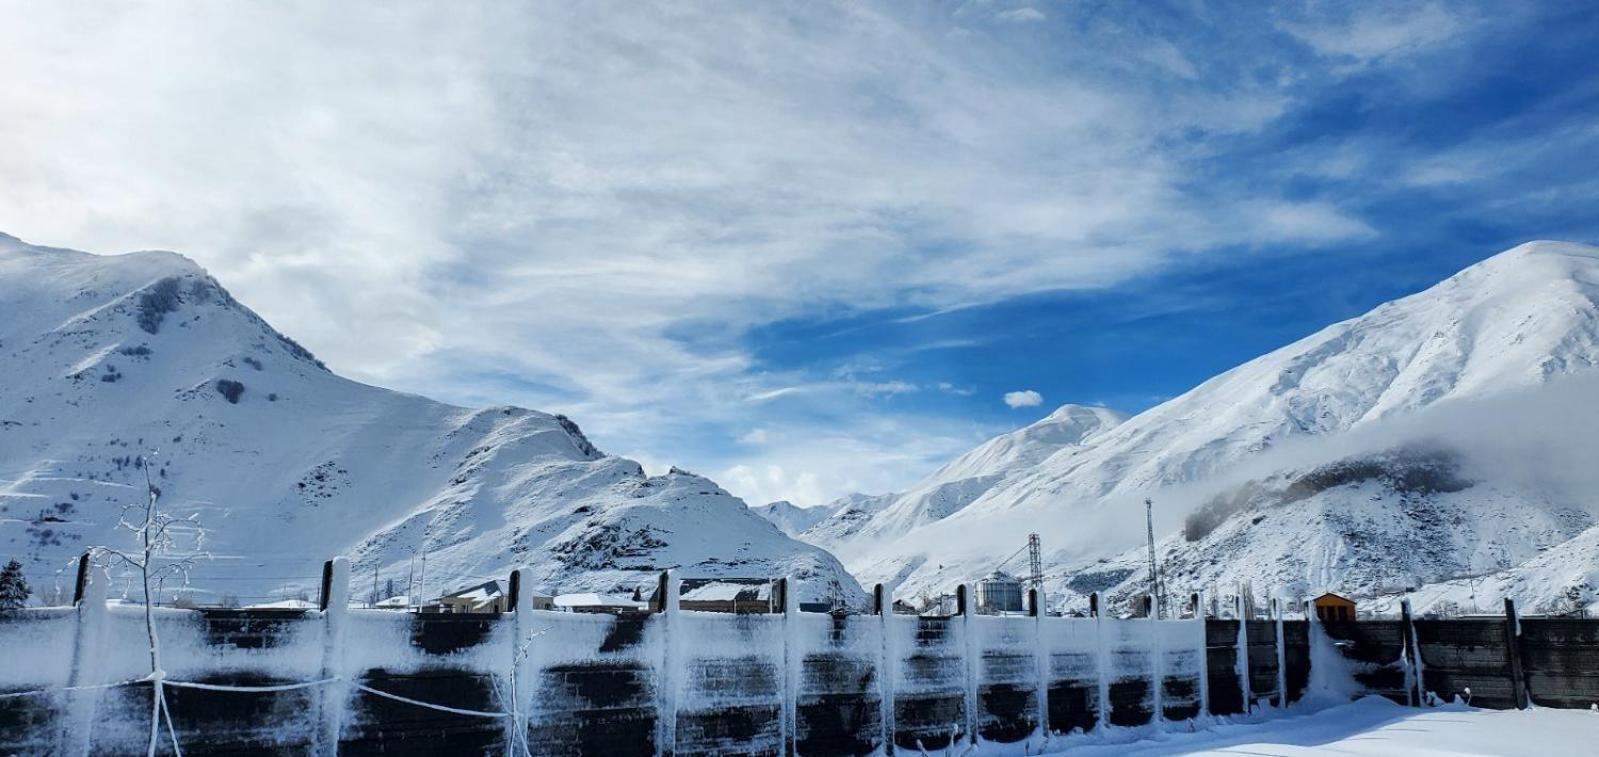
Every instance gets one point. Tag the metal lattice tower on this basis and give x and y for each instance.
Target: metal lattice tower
(1035, 562)
(1154, 570)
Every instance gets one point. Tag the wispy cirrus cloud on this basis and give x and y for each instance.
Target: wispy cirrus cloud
(587, 207)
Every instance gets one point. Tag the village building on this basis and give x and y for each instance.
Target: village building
(729, 596)
(486, 597)
(733, 594)
(1331, 607)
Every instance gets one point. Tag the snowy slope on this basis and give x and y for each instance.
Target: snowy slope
(1518, 320)
(1364, 526)
(860, 518)
(103, 358)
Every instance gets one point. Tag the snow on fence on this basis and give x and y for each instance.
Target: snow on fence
(542, 682)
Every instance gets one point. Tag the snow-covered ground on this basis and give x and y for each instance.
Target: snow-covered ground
(1370, 726)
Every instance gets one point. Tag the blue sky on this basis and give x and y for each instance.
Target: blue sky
(805, 250)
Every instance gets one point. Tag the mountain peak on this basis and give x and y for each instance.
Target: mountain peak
(1553, 247)
(1092, 414)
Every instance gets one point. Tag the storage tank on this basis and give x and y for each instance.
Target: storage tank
(999, 592)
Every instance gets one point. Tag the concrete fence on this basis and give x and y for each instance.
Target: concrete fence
(345, 681)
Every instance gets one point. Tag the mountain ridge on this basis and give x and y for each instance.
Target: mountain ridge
(109, 358)
(1515, 321)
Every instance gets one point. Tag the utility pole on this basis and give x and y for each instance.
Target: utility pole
(1035, 562)
(1154, 571)
(410, 581)
(422, 580)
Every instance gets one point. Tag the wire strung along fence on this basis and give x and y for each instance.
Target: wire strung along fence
(341, 679)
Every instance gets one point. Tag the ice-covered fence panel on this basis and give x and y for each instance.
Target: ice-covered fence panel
(1130, 665)
(1007, 677)
(1377, 648)
(36, 648)
(929, 681)
(594, 682)
(1296, 656)
(242, 648)
(730, 678)
(1221, 667)
(838, 696)
(36, 645)
(1074, 673)
(1262, 658)
(449, 660)
(1181, 644)
(272, 650)
(229, 648)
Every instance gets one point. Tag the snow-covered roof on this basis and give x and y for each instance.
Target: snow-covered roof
(399, 601)
(722, 591)
(595, 599)
(478, 594)
(284, 604)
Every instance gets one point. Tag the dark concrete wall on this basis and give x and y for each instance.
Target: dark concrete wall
(1560, 659)
(1462, 655)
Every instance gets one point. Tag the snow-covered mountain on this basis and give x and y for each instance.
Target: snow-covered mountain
(790, 518)
(1513, 323)
(863, 518)
(106, 358)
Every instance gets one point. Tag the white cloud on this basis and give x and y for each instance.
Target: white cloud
(1306, 223)
(876, 454)
(755, 436)
(877, 388)
(583, 207)
(1024, 398)
(1024, 14)
(760, 484)
(1379, 30)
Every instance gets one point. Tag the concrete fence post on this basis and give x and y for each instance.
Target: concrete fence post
(518, 604)
(1157, 661)
(1282, 653)
(793, 661)
(969, 655)
(1100, 661)
(1245, 689)
(883, 604)
(1411, 655)
(88, 657)
(331, 699)
(1518, 679)
(668, 676)
(1198, 599)
(1035, 598)
(82, 583)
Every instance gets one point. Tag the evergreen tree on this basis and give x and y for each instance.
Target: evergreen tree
(14, 591)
